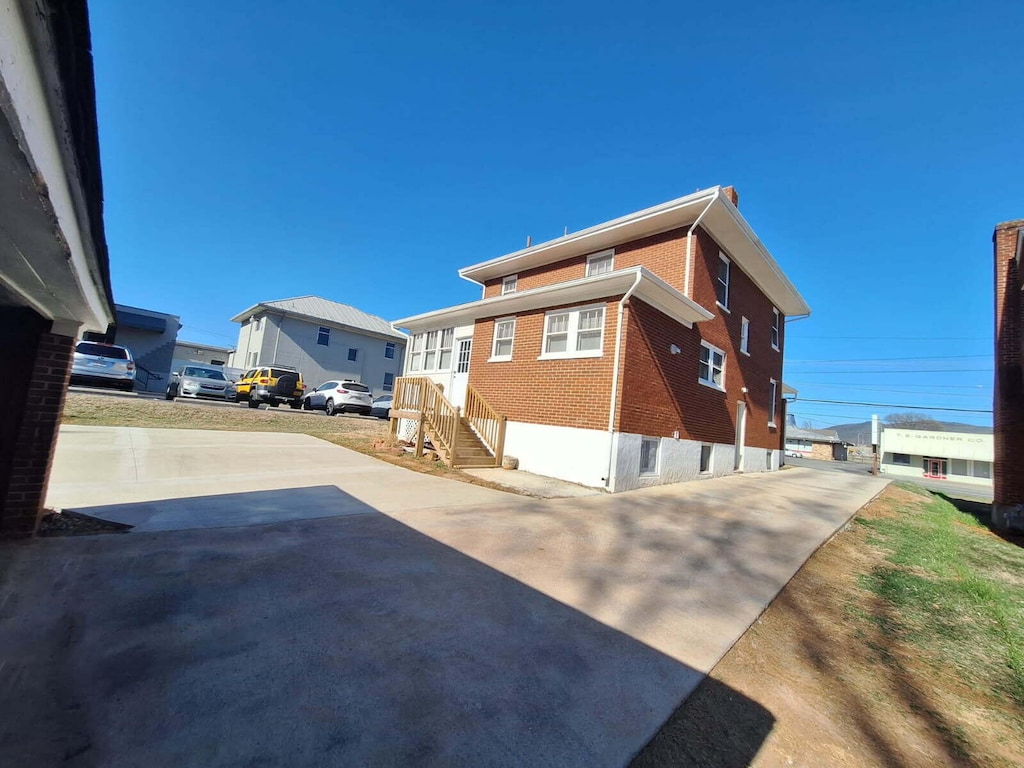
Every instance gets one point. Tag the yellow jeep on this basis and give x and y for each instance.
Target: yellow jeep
(271, 384)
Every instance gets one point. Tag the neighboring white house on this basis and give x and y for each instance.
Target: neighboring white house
(961, 457)
(323, 339)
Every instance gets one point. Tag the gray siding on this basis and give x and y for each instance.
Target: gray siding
(291, 341)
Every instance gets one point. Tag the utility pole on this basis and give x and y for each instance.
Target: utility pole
(875, 443)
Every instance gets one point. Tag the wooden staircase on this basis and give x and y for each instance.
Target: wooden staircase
(463, 438)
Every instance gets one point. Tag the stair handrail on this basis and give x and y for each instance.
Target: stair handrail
(440, 418)
(486, 421)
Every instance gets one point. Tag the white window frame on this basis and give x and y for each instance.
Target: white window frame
(323, 332)
(420, 352)
(572, 334)
(257, 323)
(728, 281)
(657, 457)
(499, 322)
(745, 336)
(710, 381)
(601, 256)
(509, 284)
(773, 392)
(776, 328)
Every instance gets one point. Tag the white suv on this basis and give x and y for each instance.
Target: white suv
(339, 397)
(103, 365)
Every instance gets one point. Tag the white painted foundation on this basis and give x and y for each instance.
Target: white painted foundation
(568, 453)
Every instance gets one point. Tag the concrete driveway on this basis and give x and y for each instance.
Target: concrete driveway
(416, 628)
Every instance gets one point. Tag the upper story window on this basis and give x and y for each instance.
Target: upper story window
(773, 389)
(323, 336)
(389, 350)
(600, 263)
(712, 366)
(509, 284)
(353, 354)
(504, 332)
(745, 336)
(775, 329)
(431, 351)
(256, 323)
(722, 281)
(573, 333)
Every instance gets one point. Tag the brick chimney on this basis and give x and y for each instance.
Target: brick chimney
(732, 194)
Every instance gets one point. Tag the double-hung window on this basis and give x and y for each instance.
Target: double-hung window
(353, 354)
(509, 284)
(745, 336)
(431, 351)
(504, 332)
(389, 350)
(773, 388)
(722, 281)
(600, 263)
(775, 329)
(712, 366)
(323, 336)
(573, 333)
(389, 382)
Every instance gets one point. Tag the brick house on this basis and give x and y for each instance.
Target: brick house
(640, 351)
(1008, 392)
(54, 269)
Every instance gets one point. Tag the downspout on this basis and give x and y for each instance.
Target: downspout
(277, 339)
(615, 373)
(689, 245)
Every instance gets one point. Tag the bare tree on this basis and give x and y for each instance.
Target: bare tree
(913, 421)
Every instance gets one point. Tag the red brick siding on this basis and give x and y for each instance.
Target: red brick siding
(1008, 393)
(36, 435)
(663, 254)
(566, 393)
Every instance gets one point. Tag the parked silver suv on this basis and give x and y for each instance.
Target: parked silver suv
(103, 365)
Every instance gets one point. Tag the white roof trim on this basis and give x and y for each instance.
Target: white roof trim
(723, 221)
(651, 289)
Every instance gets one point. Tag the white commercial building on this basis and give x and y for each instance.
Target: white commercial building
(961, 457)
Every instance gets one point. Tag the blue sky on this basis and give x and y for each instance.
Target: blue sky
(365, 151)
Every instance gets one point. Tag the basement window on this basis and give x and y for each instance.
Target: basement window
(649, 455)
(705, 459)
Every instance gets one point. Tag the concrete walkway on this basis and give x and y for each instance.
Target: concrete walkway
(424, 631)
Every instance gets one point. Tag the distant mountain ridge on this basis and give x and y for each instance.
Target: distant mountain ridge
(860, 433)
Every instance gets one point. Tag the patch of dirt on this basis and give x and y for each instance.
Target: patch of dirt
(837, 691)
(68, 523)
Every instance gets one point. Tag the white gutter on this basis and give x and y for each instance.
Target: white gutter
(689, 244)
(615, 374)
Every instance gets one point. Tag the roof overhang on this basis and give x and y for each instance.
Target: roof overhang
(645, 286)
(53, 253)
(722, 220)
(788, 390)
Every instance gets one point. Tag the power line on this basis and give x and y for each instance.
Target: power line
(891, 405)
(915, 384)
(897, 338)
(901, 391)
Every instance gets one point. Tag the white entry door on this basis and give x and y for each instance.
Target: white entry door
(460, 376)
(741, 432)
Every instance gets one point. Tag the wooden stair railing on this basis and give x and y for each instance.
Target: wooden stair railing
(475, 438)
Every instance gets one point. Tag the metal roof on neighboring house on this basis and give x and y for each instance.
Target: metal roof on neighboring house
(317, 309)
(819, 435)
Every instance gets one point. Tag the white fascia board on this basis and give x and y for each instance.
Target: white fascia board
(663, 297)
(754, 258)
(650, 221)
(244, 315)
(788, 390)
(652, 289)
(19, 70)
